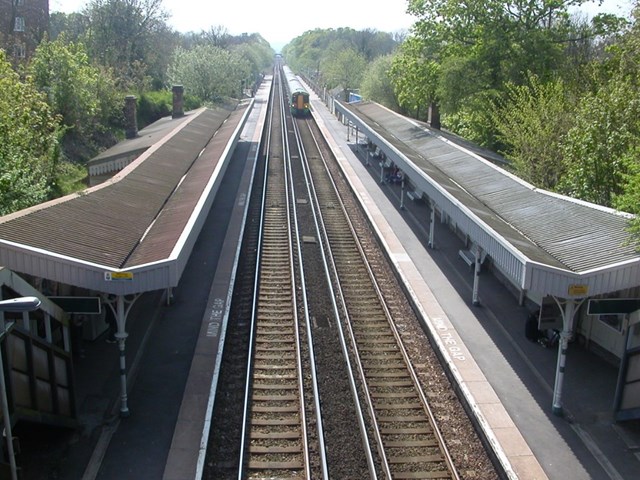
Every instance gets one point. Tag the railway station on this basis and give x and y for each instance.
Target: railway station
(479, 251)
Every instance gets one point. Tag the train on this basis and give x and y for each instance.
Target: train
(299, 95)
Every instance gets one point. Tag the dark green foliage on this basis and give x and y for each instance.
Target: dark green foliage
(154, 105)
(29, 133)
(83, 94)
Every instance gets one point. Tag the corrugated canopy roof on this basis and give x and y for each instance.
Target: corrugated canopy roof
(589, 242)
(134, 218)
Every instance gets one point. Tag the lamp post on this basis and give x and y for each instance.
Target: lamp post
(21, 304)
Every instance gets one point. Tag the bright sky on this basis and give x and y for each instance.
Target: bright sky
(280, 21)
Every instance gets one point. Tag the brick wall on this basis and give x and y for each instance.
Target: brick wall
(23, 24)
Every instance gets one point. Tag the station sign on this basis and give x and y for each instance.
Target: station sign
(86, 305)
(116, 276)
(578, 290)
(613, 306)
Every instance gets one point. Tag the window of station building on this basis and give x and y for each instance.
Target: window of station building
(19, 24)
(18, 3)
(615, 321)
(19, 50)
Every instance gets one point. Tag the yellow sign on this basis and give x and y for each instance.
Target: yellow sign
(578, 290)
(108, 276)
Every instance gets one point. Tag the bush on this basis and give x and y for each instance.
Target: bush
(154, 105)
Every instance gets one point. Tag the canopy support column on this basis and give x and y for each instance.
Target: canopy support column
(568, 323)
(475, 300)
(120, 311)
(432, 224)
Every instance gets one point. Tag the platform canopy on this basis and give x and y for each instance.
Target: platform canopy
(134, 232)
(543, 242)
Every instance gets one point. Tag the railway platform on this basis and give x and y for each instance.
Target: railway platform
(171, 351)
(507, 379)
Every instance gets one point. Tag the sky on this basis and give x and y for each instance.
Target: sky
(280, 21)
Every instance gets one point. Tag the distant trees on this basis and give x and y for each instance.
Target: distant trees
(129, 36)
(212, 73)
(338, 57)
(345, 68)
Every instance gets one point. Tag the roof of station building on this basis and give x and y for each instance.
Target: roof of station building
(539, 226)
(137, 217)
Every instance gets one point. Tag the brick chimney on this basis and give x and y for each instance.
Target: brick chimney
(130, 121)
(178, 101)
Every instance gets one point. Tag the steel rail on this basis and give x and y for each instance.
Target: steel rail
(256, 282)
(294, 240)
(338, 293)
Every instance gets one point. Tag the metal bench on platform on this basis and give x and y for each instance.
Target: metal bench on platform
(414, 195)
(468, 257)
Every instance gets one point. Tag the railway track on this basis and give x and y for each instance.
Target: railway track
(369, 388)
(405, 432)
(275, 443)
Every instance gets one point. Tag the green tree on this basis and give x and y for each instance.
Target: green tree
(598, 147)
(345, 69)
(210, 73)
(377, 84)
(28, 142)
(482, 45)
(627, 63)
(415, 74)
(532, 121)
(126, 34)
(83, 95)
(629, 201)
(603, 148)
